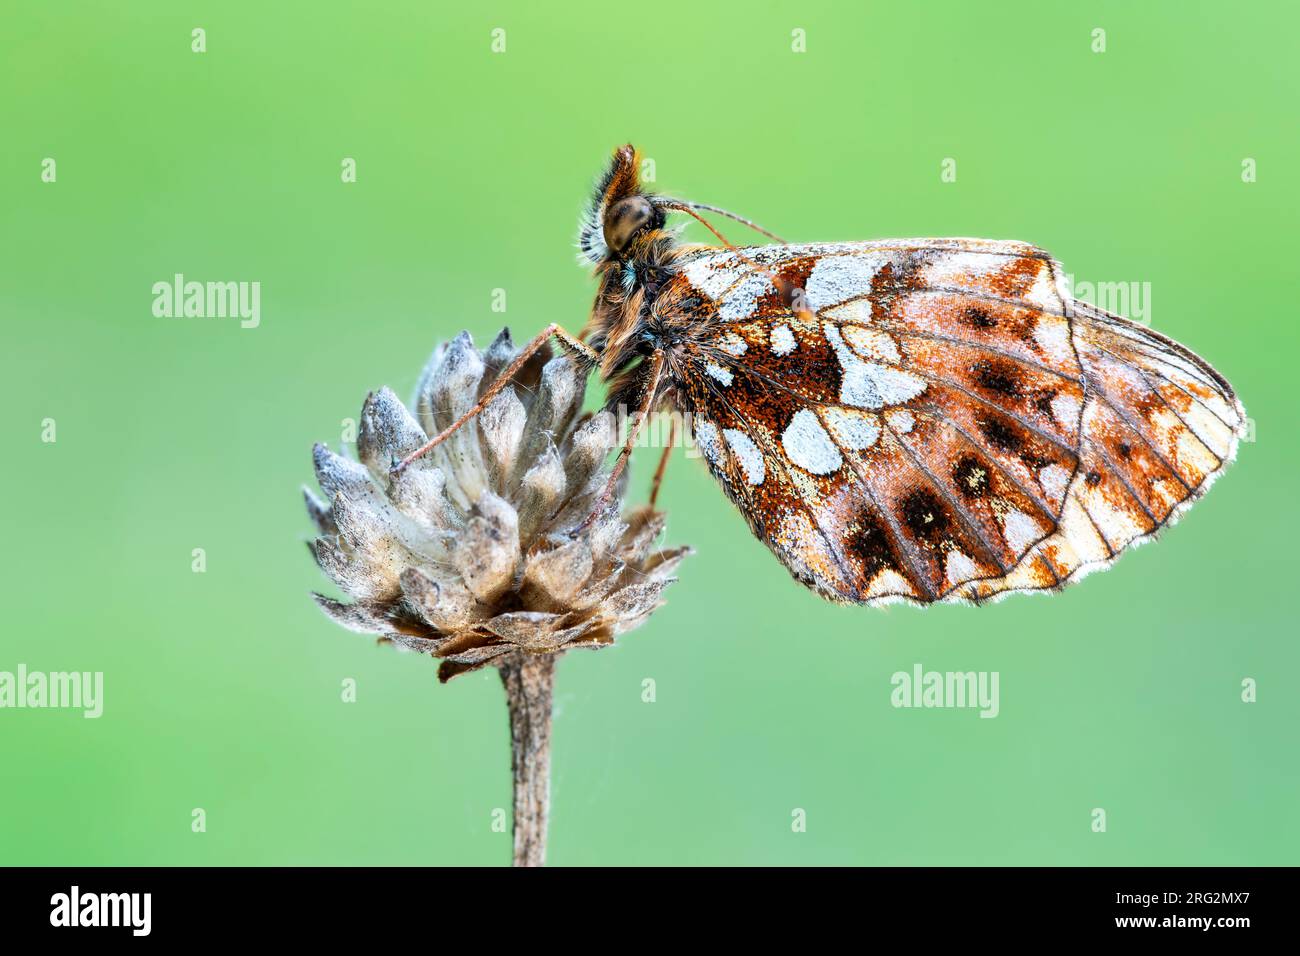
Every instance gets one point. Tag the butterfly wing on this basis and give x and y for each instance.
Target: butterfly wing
(924, 420)
(1160, 424)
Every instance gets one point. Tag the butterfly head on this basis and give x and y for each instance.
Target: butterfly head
(620, 218)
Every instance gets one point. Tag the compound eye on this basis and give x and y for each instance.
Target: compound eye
(625, 219)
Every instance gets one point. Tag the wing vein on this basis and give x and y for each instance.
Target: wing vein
(1191, 395)
(1124, 417)
(831, 546)
(937, 379)
(1101, 453)
(992, 459)
(966, 518)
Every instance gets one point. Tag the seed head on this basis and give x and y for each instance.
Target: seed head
(470, 553)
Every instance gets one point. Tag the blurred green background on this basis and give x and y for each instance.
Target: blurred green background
(222, 689)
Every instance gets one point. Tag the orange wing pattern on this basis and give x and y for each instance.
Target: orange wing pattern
(931, 420)
(1159, 426)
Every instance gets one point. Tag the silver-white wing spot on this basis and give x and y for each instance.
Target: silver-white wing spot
(718, 372)
(713, 275)
(1054, 480)
(870, 384)
(837, 278)
(706, 436)
(900, 420)
(733, 344)
(808, 445)
(872, 344)
(747, 453)
(782, 340)
(739, 302)
(853, 429)
(959, 567)
(1021, 530)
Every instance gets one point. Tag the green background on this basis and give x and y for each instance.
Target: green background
(223, 688)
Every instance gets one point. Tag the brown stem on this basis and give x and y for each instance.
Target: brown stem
(530, 680)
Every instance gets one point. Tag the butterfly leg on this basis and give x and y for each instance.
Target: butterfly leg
(566, 338)
(663, 463)
(642, 413)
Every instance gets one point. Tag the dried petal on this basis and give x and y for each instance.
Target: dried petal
(540, 492)
(501, 424)
(362, 618)
(525, 628)
(368, 535)
(497, 356)
(643, 530)
(662, 564)
(594, 640)
(560, 572)
(419, 494)
(388, 433)
(635, 599)
(449, 670)
(424, 390)
(606, 533)
(557, 401)
(335, 474)
(449, 607)
(454, 392)
(486, 553)
(598, 587)
(477, 654)
(319, 512)
(589, 446)
(410, 642)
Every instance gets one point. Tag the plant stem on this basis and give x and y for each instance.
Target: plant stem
(529, 680)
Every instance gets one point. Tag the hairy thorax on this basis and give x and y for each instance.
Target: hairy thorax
(644, 306)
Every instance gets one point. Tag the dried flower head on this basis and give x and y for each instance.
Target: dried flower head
(470, 554)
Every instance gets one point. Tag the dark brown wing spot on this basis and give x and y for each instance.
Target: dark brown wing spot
(1001, 378)
(1009, 438)
(1001, 435)
(978, 317)
(872, 546)
(971, 476)
(923, 514)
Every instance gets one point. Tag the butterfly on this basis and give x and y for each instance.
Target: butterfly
(916, 420)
